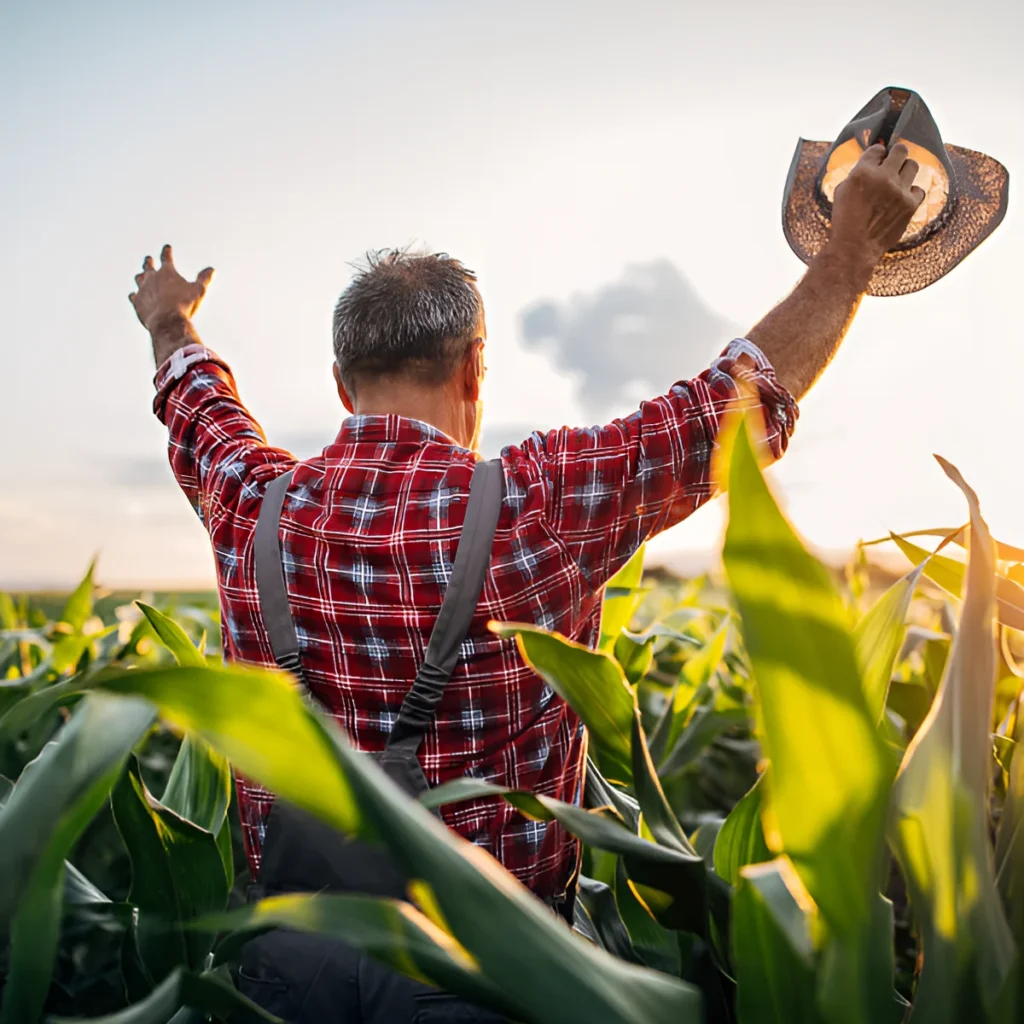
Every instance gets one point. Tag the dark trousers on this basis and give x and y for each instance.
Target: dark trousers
(311, 979)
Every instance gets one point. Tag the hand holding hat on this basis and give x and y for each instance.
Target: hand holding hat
(962, 198)
(874, 205)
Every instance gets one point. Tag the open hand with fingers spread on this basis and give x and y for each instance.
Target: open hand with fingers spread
(166, 302)
(874, 205)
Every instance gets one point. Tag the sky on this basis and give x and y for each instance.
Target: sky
(593, 162)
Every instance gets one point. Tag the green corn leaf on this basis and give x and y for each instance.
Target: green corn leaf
(831, 771)
(704, 838)
(55, 798)
(207, 992)
(948, 574)
(657, 946)
(740, 840)
(177, 875)
(939, 827)
(32, 707)
(92, 745)
(673, 877)
(622, 597)
(78, 608)
(599, 792)
(602, 921)
(956, 535)
(8, 613)
(1009, 853)
(685, 910)
(225, 848)
(1002, 750)
(199, 786)
(591, 683)
(658, 816)
(274, 740)
(705, 725)
(634, 657)
(172, 636)
(879, 639)
(772, 948)
(697, 674)
(259, 721)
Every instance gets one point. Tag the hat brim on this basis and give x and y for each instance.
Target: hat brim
(982, 186)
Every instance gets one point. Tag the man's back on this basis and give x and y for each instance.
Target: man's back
(369, 532)
(368, 535)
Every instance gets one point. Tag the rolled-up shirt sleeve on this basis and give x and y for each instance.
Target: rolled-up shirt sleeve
(609, 489)
(214, 443)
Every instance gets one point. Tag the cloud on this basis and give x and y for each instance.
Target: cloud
(647, 329)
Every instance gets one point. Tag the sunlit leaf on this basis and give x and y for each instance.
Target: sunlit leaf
(939, 822)
(173, 637)
(199, 786)
(78, 608)
(740, 840)
(956, 535)
(635, 658)
(879, 639)
(1002, 750)
(622, 597)
(948, 573)
(830, 769)
(591, 683)
(270, 738)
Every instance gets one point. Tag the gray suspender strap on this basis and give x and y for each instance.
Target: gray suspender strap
(277, 616)
(457, 609)
(453, 621)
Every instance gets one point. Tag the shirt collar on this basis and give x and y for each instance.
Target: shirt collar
(390, 429)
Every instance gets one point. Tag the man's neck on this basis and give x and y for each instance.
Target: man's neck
(433, 408)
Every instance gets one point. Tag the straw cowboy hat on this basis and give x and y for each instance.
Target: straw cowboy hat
(965, 192)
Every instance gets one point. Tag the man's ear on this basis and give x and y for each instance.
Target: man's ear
(473, 370)
(346, 398)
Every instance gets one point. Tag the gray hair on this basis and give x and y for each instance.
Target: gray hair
(406, 313)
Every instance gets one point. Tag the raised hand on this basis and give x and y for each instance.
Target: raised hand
(166, 302)
(874, 204)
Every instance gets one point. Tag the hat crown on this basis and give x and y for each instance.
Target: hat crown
(892, 115)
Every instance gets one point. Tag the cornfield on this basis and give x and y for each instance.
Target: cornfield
(801, 805)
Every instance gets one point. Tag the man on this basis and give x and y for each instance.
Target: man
(370, 526)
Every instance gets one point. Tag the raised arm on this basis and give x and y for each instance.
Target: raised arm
(214, 444)
(606, 490)
(872, 209)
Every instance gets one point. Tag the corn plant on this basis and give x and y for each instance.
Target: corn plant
(761, 753)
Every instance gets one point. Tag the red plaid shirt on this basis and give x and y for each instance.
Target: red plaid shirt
(369, 532)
